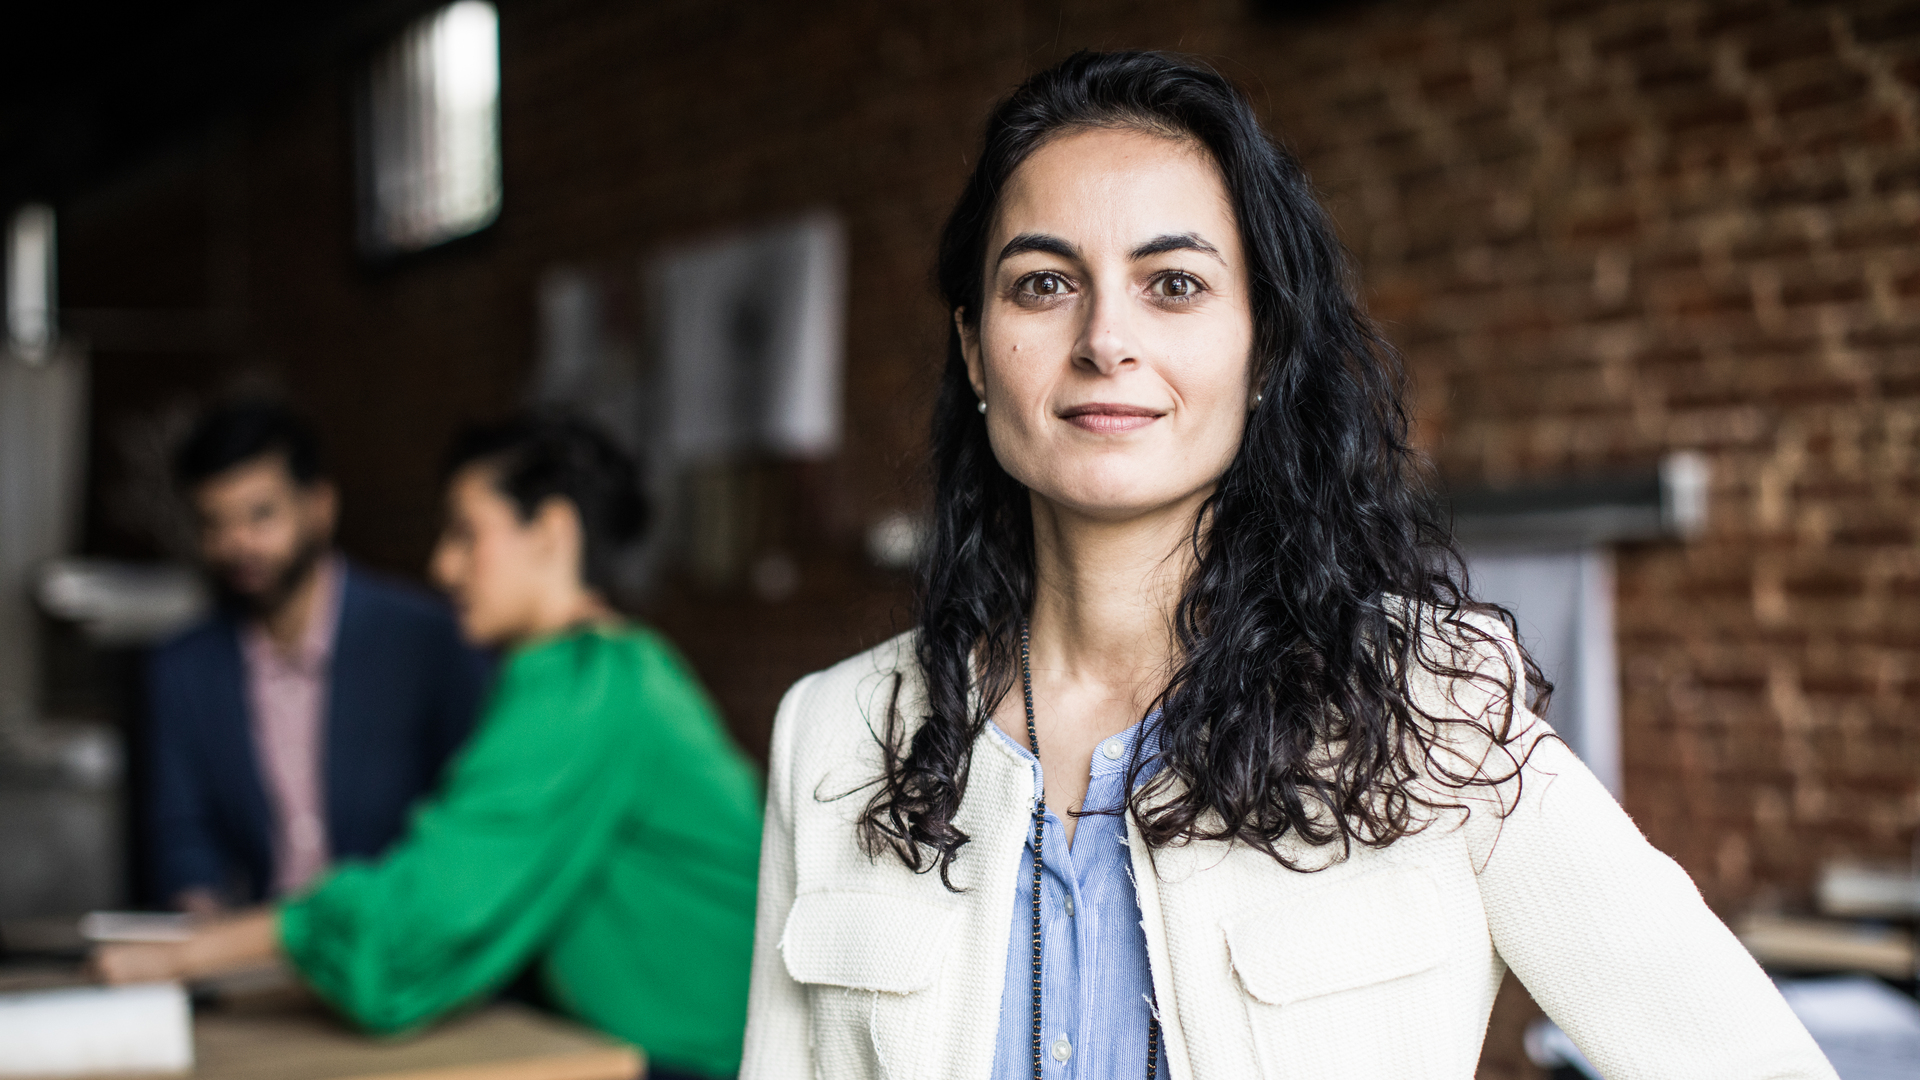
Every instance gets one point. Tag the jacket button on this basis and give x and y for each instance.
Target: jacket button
(1062, 1049)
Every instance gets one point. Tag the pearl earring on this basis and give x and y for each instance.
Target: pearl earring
(983, 407)
(1258, 396)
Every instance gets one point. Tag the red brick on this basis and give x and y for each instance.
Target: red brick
(1823, 292)
(1821, 183)
(1787, 41)
(1670, 70)
(1833, 88)
(1706, 113)
(1632, 39)
(1717, 19)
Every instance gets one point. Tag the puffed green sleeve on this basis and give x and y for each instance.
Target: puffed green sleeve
(492, 862)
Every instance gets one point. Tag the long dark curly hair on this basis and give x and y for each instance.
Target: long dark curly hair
(1319, 557)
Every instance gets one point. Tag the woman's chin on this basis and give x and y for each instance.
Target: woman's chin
(482, 633)
(1142, 482)
(1119, 503)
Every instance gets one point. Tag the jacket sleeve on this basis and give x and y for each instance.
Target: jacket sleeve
(1611, 937)
(492, 863)
(779, 1044)
(186, 851)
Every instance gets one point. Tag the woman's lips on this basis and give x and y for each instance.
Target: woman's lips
(1103, 418)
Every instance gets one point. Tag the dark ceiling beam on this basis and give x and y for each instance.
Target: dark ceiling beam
(94, 87)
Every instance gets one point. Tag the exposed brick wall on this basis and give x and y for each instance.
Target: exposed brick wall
(1599, 232)
(1605, 231)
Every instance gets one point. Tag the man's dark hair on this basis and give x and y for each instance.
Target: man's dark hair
(536, 457)
(243, 432)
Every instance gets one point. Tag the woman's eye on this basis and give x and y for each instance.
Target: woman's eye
(1177, 286)
(1044, 284)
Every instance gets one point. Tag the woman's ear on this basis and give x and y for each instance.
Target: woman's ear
(557, 525)
(970, 351)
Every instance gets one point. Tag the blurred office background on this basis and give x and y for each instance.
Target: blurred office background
(1655, 268)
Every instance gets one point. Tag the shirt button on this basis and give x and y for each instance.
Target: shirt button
(1069, 907)
(1112, 749)
(1062, 1049)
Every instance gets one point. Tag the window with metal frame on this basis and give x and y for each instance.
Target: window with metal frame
(430, 132)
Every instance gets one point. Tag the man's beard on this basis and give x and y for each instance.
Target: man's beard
(263, 604)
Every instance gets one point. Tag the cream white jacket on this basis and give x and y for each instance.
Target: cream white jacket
(1382, 965)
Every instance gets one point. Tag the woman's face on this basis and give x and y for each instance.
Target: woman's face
(494, 565)
(1114, 343)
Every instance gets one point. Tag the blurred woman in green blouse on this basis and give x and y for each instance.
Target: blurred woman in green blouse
(600, 822)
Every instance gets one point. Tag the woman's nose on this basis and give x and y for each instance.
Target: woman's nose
(1107, 342)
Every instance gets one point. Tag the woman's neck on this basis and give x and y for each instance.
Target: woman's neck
(1102, 642)
(1104, 598)
(563, 612)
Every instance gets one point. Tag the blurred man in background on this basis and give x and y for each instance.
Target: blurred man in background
(297, 724)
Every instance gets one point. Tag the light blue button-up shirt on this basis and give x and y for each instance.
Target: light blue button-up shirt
(1094, 980)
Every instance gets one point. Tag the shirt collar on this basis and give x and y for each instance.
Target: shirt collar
(1114, 754)
(1105, 764)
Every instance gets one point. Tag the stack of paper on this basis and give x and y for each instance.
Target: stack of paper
(90, 1030)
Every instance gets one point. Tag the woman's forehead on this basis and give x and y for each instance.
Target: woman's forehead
(475, 486)
(1116, 187)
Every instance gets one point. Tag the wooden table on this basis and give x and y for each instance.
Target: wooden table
(261, 1025)
(499, 1042)
(285, 1035)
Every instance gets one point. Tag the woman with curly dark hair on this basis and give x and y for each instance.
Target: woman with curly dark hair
(1201, 761)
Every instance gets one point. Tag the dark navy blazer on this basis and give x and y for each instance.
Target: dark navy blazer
(402, 695)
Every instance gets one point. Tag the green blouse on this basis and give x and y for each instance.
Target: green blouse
(601, 820)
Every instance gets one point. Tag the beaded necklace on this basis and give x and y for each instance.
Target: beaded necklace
(1039, 834)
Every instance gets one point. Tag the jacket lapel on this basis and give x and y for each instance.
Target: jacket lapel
(340, 741)
(234, 755)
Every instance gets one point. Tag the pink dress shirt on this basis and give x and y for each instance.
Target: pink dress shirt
(287, 696)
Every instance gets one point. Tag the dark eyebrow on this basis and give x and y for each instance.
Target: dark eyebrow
(1160, 245)
(1051, 245)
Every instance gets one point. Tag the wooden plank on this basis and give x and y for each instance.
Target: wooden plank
(1828, 945)
(612, 1063)
(500, 1042)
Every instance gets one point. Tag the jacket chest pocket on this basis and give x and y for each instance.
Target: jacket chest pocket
(1335, 981)
(869, 962)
